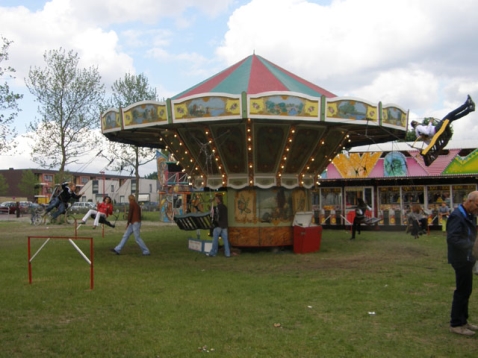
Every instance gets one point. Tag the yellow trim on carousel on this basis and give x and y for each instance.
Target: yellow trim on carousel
(436, 137)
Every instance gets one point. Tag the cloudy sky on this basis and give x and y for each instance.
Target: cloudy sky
(418, 54)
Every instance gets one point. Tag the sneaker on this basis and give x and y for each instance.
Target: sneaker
(116, 252)
(471, 104)
(463, 330)
(82, 222)
(94, 227)
(471, 327)
(209, 255)
(113, 226)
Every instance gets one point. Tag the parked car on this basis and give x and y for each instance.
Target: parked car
(8, 207)
(82, 206)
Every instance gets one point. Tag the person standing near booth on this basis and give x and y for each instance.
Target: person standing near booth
(360, 210)
(443, 212)
(220, 229)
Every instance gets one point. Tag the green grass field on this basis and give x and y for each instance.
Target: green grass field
(383, 295)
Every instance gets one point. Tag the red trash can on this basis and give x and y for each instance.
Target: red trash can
(307, 236)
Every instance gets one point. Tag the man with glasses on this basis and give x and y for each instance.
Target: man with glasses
(461, 236)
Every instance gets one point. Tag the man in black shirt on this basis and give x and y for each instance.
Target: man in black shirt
(221, 224)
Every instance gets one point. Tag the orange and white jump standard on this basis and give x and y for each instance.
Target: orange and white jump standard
(70, 239)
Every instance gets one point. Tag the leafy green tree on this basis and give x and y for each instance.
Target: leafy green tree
(126, 91)
(70, 100)
(27, 184)
(153, 175)
(410, 136)
(8, 103)
(3, 185)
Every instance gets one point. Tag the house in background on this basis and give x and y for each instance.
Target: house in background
(119, 190)
(93, 185)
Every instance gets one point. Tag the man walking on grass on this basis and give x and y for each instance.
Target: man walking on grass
(132, 227)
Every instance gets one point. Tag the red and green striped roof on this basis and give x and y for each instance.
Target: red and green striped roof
(253, 75)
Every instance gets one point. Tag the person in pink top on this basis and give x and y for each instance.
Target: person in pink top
(104, 209)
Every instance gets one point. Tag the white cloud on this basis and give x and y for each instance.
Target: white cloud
(416, 54)
(145, 11)
(55, 27)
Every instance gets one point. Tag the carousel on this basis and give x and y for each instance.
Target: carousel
(261, 135)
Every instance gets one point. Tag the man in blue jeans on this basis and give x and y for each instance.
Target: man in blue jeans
(133, 226)
(221, 224)
(461, 236)
(68, 191)
(426, 132)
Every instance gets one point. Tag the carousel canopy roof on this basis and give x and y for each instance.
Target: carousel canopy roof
(253, 75)
(255, 124)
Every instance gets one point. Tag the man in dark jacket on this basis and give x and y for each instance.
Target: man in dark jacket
(68, 191)
(461, 235)
(359, 218)
(221, 224)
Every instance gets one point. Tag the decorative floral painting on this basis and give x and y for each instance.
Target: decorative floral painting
(284, 105)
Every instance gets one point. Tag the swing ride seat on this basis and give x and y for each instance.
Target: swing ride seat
(194, 221)
(371, 221)
(102, 219)
(438, 142)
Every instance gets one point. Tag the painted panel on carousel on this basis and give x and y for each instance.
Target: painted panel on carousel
(283, 105)
(463, 165)
(356, 165)
(144, 114)
(394, 116)
(395, 165)
(351, 109)
(207, 107)
(275, 206)
(170, 205)
(162, 164)
(201, 202)
(111, 121)
(245, 207)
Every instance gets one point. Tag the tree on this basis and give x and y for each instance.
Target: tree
(153, 175)
(8, 103)
(70, 100)
(3, 185)
(27, 184)
(126, 91)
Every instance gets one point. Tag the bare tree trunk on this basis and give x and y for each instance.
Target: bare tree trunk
(136, 170)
